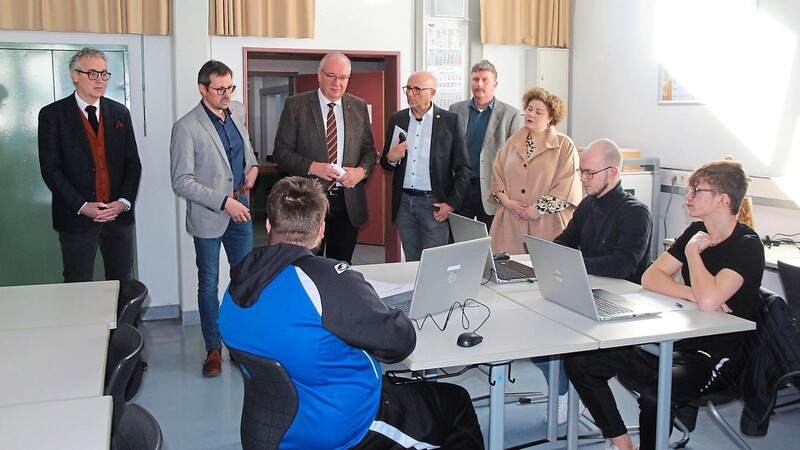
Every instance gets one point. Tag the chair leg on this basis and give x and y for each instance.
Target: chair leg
(725, 427)
(680, 443)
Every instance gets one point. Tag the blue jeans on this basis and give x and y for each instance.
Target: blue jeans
(418, 229)
(238, 241)
(544, 365)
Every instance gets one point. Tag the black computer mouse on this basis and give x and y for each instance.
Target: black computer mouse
(502, 256)
(469, 339)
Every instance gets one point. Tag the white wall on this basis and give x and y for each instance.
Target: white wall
(616, 50)
(615, 77)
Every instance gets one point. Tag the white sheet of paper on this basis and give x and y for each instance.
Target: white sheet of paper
(389, 289)
(660, 302)
(396, 135)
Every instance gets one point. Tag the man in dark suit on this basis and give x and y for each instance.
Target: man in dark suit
(489, 123)
(89, 160)
(325, 134)
(431, 167)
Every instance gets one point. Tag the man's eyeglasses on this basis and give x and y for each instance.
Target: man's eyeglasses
(694, 190)
(332, 76)
(416, 90)
(222, 90)
(589, 174)
(93, 74)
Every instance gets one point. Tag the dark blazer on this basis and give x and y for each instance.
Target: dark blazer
(67, 164)
(449, 161)
(300, 140)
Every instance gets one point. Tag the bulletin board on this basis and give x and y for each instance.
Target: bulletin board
(445, 49)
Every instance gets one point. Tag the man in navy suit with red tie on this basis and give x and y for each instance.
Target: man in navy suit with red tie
(89, 160)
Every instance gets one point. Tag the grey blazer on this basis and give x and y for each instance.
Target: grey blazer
(201, 172)
(504, 122)
(300, 140)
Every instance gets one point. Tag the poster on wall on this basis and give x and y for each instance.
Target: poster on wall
(672, 91)
(446, 59)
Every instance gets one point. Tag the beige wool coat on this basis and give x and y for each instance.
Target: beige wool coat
(549, 171)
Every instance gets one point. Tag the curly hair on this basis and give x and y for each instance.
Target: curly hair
(555, 106)
(86, 52)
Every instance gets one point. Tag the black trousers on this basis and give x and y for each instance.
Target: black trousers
(472, 206)
(78, 251)
(694, 374)
(412, 415)
(340, 234)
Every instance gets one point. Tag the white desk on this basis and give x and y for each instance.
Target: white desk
(512, 332)
(664, 329)
(66, 424)
(44, 364)
(56, 305)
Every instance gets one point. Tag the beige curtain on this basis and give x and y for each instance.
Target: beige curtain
(540, 23)
(95, 16)
(268, 18)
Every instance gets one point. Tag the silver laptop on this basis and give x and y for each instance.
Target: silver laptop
(446, 274)
(465, 229)
(562, 279)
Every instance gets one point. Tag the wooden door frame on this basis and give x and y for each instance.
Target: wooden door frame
(391, 103)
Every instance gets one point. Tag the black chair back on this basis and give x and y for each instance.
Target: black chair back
(270, 401)
(137, 430)
(124, 349)
(132, 294)
(129, 302)
(789, 274)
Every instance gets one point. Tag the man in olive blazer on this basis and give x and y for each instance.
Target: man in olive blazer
(301, 149)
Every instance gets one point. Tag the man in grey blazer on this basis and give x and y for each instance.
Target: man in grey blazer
(334, 145)
(214, 167)
(489, 123)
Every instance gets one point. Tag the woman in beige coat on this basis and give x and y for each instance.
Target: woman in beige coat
(534, 177)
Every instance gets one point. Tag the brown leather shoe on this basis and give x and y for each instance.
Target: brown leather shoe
(212, 366)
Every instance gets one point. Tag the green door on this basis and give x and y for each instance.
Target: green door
(32, 76)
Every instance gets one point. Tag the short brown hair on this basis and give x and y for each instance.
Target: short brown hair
(555, 106)
(296, 208)
(484, 65)
(727, 177)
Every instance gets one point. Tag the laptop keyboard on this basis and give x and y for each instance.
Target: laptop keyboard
(507, 273)
(607, 308)
(403, 306)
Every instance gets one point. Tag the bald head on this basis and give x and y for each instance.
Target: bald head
(603, 159)
(425, 84)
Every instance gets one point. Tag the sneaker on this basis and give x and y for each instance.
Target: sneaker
(562, 409)
(611, 447)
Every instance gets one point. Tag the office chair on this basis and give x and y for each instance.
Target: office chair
(124, 349)
(789, 274)
(132, 294)
(137, 430)
(270, 401)
(129, 302)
